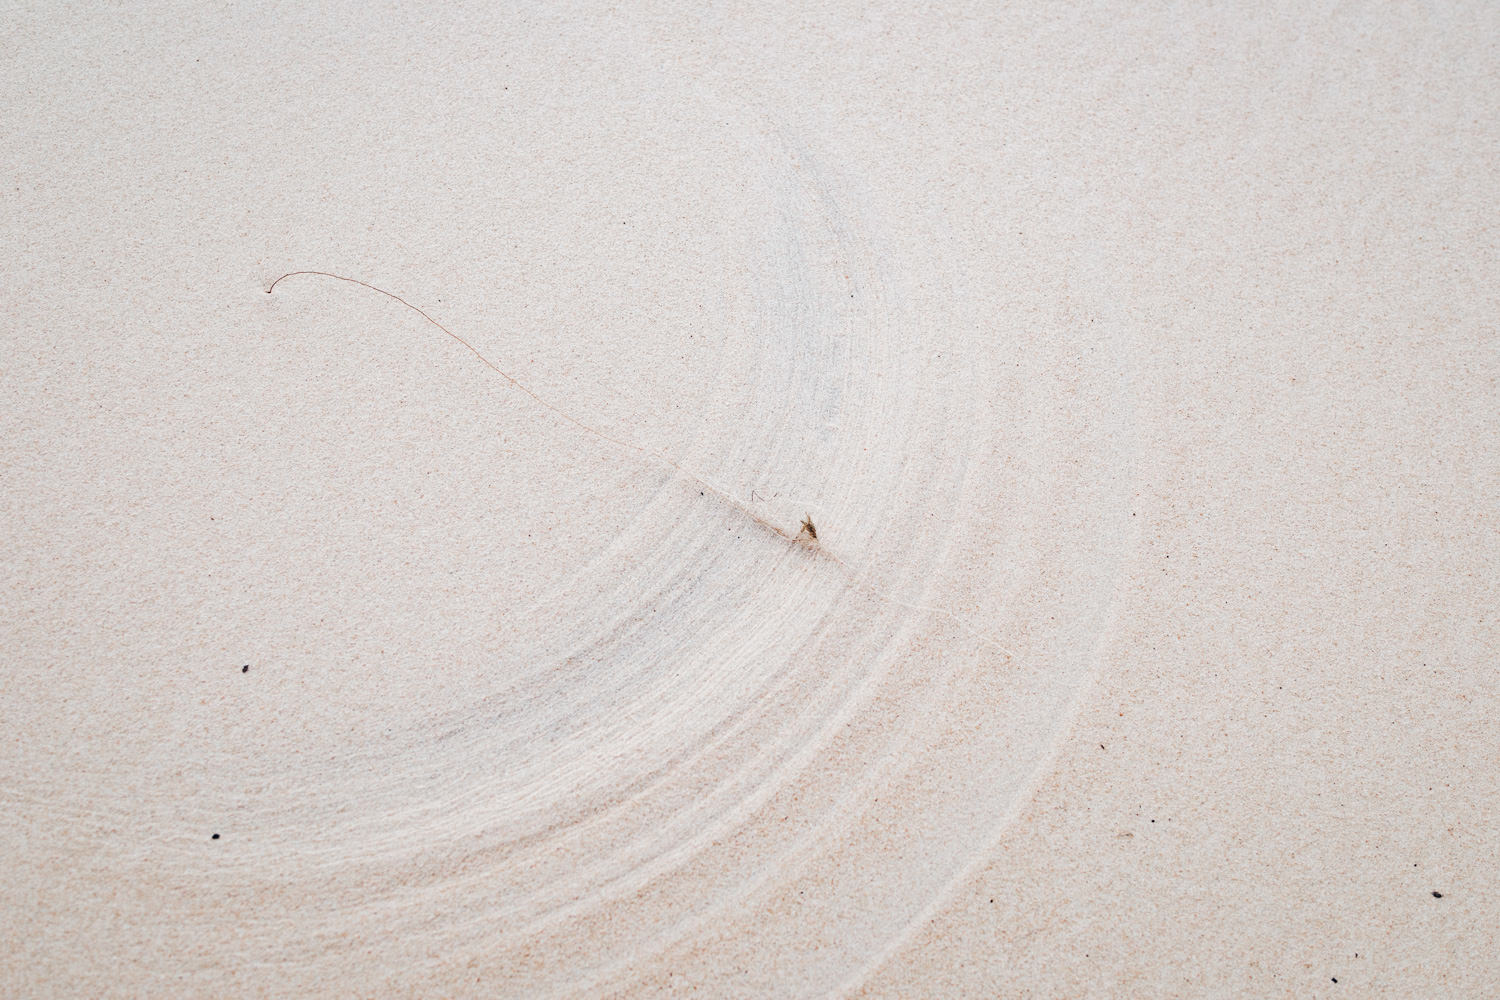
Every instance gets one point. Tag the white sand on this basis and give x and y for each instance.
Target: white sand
(1138, 370)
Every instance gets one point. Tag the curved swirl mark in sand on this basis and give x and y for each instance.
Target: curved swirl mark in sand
(698, 721)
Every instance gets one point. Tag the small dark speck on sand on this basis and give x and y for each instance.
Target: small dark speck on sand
(245, 669)
(216, 836)
(1437, 895)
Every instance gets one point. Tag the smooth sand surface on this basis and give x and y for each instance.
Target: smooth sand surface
(1136, 367)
